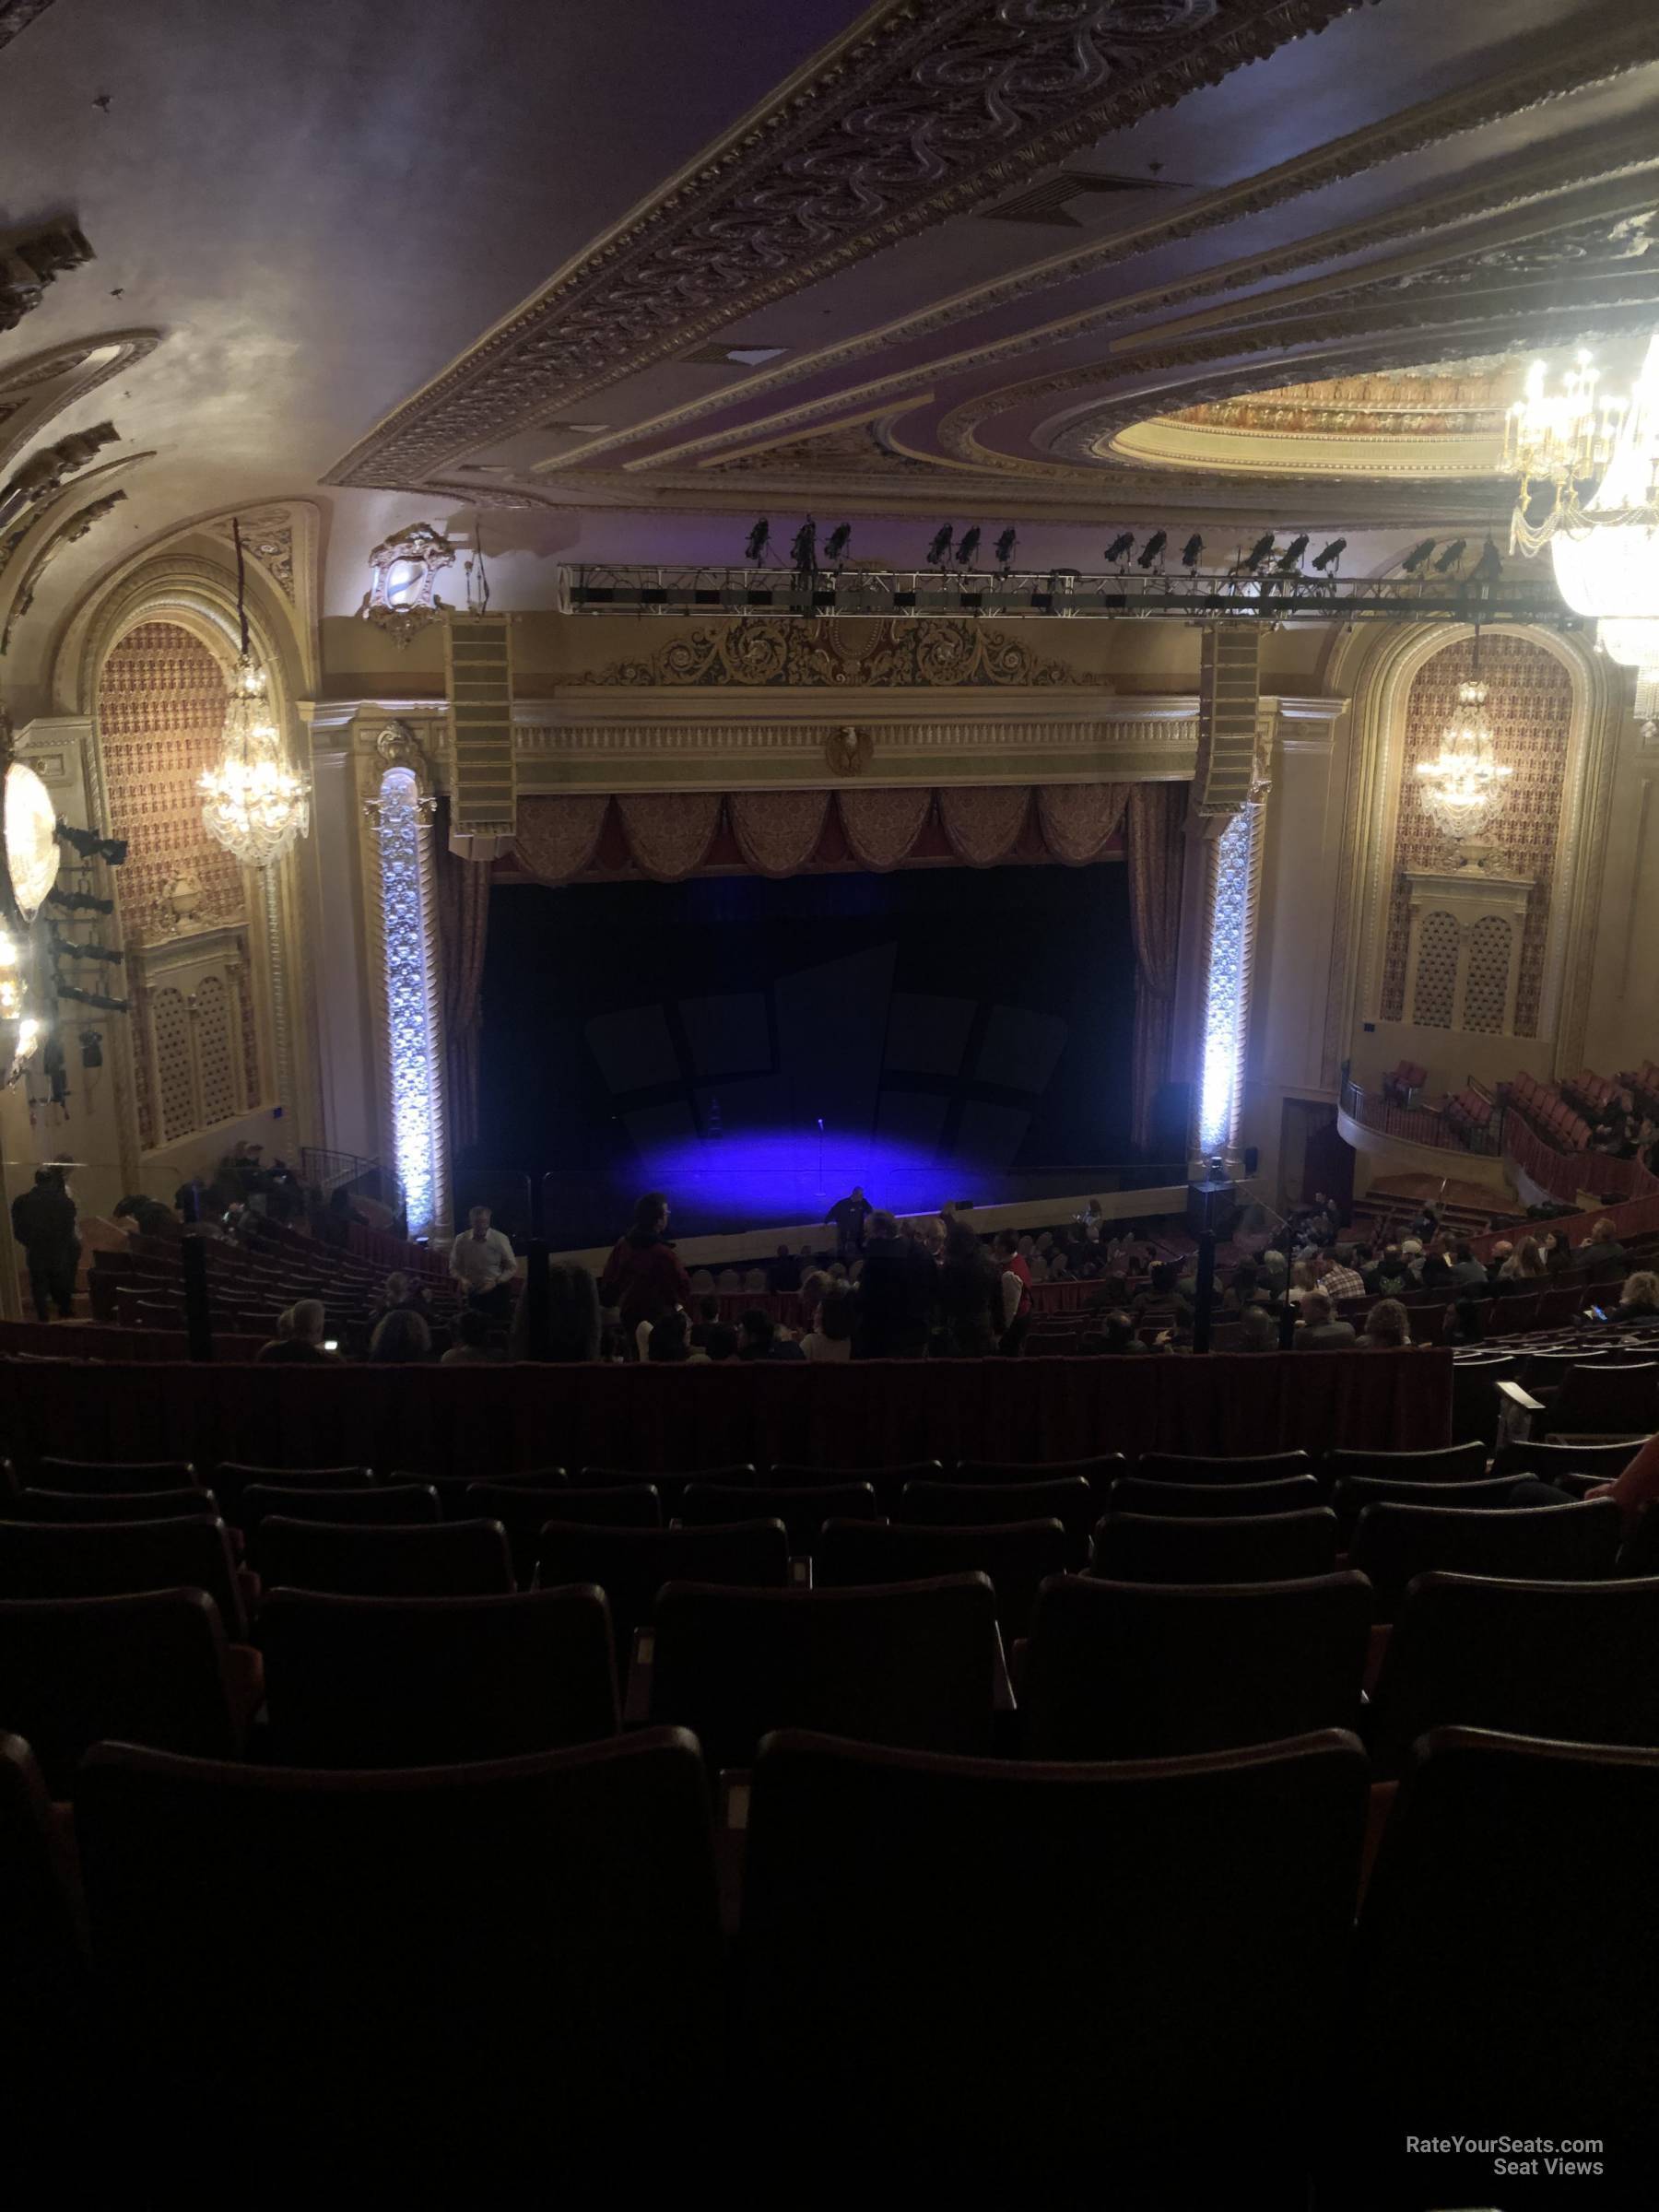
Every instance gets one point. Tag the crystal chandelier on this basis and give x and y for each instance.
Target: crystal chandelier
(1605, 546)
(253, 802)
(1464, 790)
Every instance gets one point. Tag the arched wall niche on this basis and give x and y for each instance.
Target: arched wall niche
(1377, 672)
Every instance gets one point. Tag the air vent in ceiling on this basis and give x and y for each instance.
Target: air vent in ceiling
(742, 357)
(1050, 202)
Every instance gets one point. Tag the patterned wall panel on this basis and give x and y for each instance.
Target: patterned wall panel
(172, 1031)
(214, 1050)
(1485, 988)
(1529, 704)
(160, 712)
(1436, 972)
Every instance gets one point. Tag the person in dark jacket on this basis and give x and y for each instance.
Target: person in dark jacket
(969, 1294)
(148, 1216)
(643, 1275)
(897, 1289)
(760, 1339)
(44, 1222)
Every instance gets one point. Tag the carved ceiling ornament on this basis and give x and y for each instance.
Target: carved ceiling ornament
(398, 745)
(267, 539)
(935, 106)
(67, 534)
(815, 654)
(27, 268)
(44, 384)
(1624, 42)
(858, 449)
(402, 599)
(12, 539)
(848, 751)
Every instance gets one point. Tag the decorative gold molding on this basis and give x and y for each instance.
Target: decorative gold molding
(22, 417)
(916, 654)
(67, 534)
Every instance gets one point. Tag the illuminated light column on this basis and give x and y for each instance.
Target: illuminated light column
(1234, 868)
(413, 1018)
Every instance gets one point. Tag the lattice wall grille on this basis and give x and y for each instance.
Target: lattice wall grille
(170, 1026)
(214, 1050)
(1486, 987)
(1437, 971)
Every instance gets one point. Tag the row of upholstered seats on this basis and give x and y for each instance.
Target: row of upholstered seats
(991, 1971)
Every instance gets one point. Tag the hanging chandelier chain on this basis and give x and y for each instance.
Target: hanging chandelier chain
(253, 802)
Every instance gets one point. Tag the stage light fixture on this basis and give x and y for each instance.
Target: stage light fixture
(1257, 554)
(91, 846)
(1004, 549)
(1328, 556)
(1418, 559)
(1122, 545)
(967, 546)
(1290, 561)
(803, 550)
(79, 903)
(759, 541)
(1452, 556)
(1153, 550)
(1489, 567)
(1191, 551)
(836, 544)
(939, 551)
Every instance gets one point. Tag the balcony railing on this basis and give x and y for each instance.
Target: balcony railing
(1418, 1125)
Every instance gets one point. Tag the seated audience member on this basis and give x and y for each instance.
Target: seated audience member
(148, 1216)
(644, 1277)
(1060, 1268)
(482, 1262)
(1411, 1253)
(1118, 1337)
(1337, 1277)
(1319, 1330)
(783, 1277)
(1605, 1257)
(667, 1340)
(1259, 1328)
(1467, 1272)
(574, 1332)
(1390, 1274)
(1498, 1266)
(762, 1339)
(816, 1285)
(1159, 1305)
(299, 1339)
(1557, 1252)
(401, 1293)
(1436, 1270)
(1465, 1322)
(401, 1340)
(1274, 1270)
(1641, 1297)
(896, 1294)
(1245, 1289)
(970, 1295)
(472, 1347)
(1523, 1268)
(1300, 1282)
(708, 1319)
(720, 1346)
(1387, 1327)
(831, 1338)
(1637, 1487)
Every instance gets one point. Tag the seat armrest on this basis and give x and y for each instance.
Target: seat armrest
(731, 1844)
(635, 1703)
(800, 1572)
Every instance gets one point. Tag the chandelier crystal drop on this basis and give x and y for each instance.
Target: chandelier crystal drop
(1464, 790)
(253, 802)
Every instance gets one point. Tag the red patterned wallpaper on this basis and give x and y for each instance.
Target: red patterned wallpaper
(1529, 705)
(161, 711)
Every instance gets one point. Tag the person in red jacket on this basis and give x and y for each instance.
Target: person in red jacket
(643, 1274)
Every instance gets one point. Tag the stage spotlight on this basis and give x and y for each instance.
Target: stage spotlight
(1004, 549)
(1452, 556)
(77, 902)
(1328, 556)
(1489, 567)
(939, 551)
(1191, 551)
(760, 542)
(93, 998)
(1122, 545)
(1417, 560)
(1290, 561)
(803, 551)
(1255, 557)
(967, 546)
(1153, 549)
(91, 846)
(838, 539)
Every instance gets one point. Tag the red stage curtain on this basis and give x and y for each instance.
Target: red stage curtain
(462, 887)
(983, 823)
(1080, 820)
(669, 832)
(882, 826)
(777, 831)
(556, 838)
(1155, 844)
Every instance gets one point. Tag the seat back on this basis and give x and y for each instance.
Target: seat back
(669, 1480)
(1260, 1466)
(910, 1663)
(1550, 1462)
(887, 1480)
(116, 1475)
(146, 1669)
(524, 1509)
(1017, 1555)
(232, 1477)
(1569, 1659)
(394, 1927)
(803, 1510)
(1005, 1474)
(423, 1681)
(1294, 1494)
(109, 1558)
(927, 1904)
(1355, 1492)
(1639, 1554)
(449, 1558)
(398, 1503)
(1455, 1463)
(44, 1982)
(1609, 1394)
(1253, 1548)
(1070, 1500)
(110, 1505)
(1477, 1998)
(630, 1565)
(1145, 1670)
(1560, 1543)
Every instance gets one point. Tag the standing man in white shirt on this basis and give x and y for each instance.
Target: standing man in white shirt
(482, 1261)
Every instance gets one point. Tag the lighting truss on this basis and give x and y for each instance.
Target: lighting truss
(781, 594)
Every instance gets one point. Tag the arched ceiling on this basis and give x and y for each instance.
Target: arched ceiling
(608, 278)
